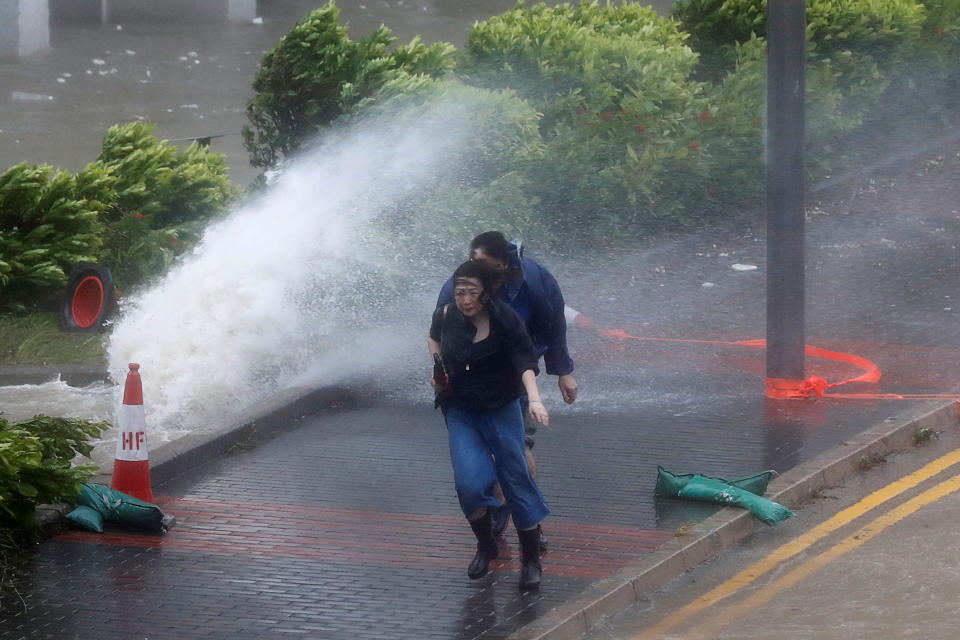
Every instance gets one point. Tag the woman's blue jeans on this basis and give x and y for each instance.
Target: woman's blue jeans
(487, 447)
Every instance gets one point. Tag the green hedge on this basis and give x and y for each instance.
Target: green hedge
(646, 122)
(317, 73)
(140, 204)
(164, 197)
(36, 464)
(49, 220)
(622, 114)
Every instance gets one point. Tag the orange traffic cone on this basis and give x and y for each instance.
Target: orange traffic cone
(131, 465)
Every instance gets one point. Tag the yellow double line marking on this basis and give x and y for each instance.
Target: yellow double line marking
(802, 542)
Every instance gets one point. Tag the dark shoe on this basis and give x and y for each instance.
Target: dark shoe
(501, 515)
(531, 570)
(486, 547)
(543, 540)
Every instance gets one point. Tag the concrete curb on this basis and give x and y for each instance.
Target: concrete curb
(256, 423)
(728, 526)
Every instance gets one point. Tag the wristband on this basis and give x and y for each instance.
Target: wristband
(532, 401)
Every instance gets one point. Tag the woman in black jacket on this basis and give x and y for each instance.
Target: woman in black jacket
(490, 361)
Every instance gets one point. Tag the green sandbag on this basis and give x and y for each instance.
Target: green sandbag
(670, 484)
(119, 508)
(746, 492)
(712, 490)
(86, 518)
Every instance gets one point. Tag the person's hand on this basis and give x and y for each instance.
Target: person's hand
(568, 388)
(539, 412)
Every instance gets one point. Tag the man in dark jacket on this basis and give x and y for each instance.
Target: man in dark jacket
(534, 294)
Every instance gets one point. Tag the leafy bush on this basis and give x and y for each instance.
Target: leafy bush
(639, 131)
(48, 222)
(735, 132)
(164, 196)
(485, 137)
(495, 130)
(598, 54)
(167, 185)
(621, 113)
(316, 73)
(852, 46)
(869, 29)
(925, 71)
(35, 464)
(133, 210)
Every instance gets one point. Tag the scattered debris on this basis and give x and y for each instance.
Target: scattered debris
(99, 62)
(925, 434)
(257, 20)
(743, 267)
(708, 285)
(24, 96)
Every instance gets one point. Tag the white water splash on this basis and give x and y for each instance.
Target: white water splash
(304, 286)
(56, 398)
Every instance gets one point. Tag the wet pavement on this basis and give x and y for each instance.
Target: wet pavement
(859, 561)
(347, 525)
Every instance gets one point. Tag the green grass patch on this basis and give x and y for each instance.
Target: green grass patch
(37, 339)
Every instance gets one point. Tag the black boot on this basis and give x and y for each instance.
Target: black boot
(530, 557)
(486, 547)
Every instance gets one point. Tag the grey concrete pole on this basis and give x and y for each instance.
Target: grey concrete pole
(24, 27)
(786, 86)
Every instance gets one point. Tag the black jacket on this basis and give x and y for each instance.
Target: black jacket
(486, 374)
(536, 297)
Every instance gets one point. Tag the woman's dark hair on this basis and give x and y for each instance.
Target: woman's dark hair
(494, 244)
(487, 275)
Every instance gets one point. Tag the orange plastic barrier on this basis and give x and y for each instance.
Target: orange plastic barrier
(813, 386)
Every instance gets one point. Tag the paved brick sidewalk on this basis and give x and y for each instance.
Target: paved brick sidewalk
(347, 526)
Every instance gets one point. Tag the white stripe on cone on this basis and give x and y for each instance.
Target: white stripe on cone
(132, 437)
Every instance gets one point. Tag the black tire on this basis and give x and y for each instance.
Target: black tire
(87, 304)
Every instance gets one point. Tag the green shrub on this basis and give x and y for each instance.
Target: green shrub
(35, 464)
(486, 139)
(169, 186)
(133, 210)
(495, 131)
(621, 113)
(926, 72)
(316, 74)
(871, 28)
(853, 45)
(601, 54)
(734, 130)
(48, 222)
(164, 196)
